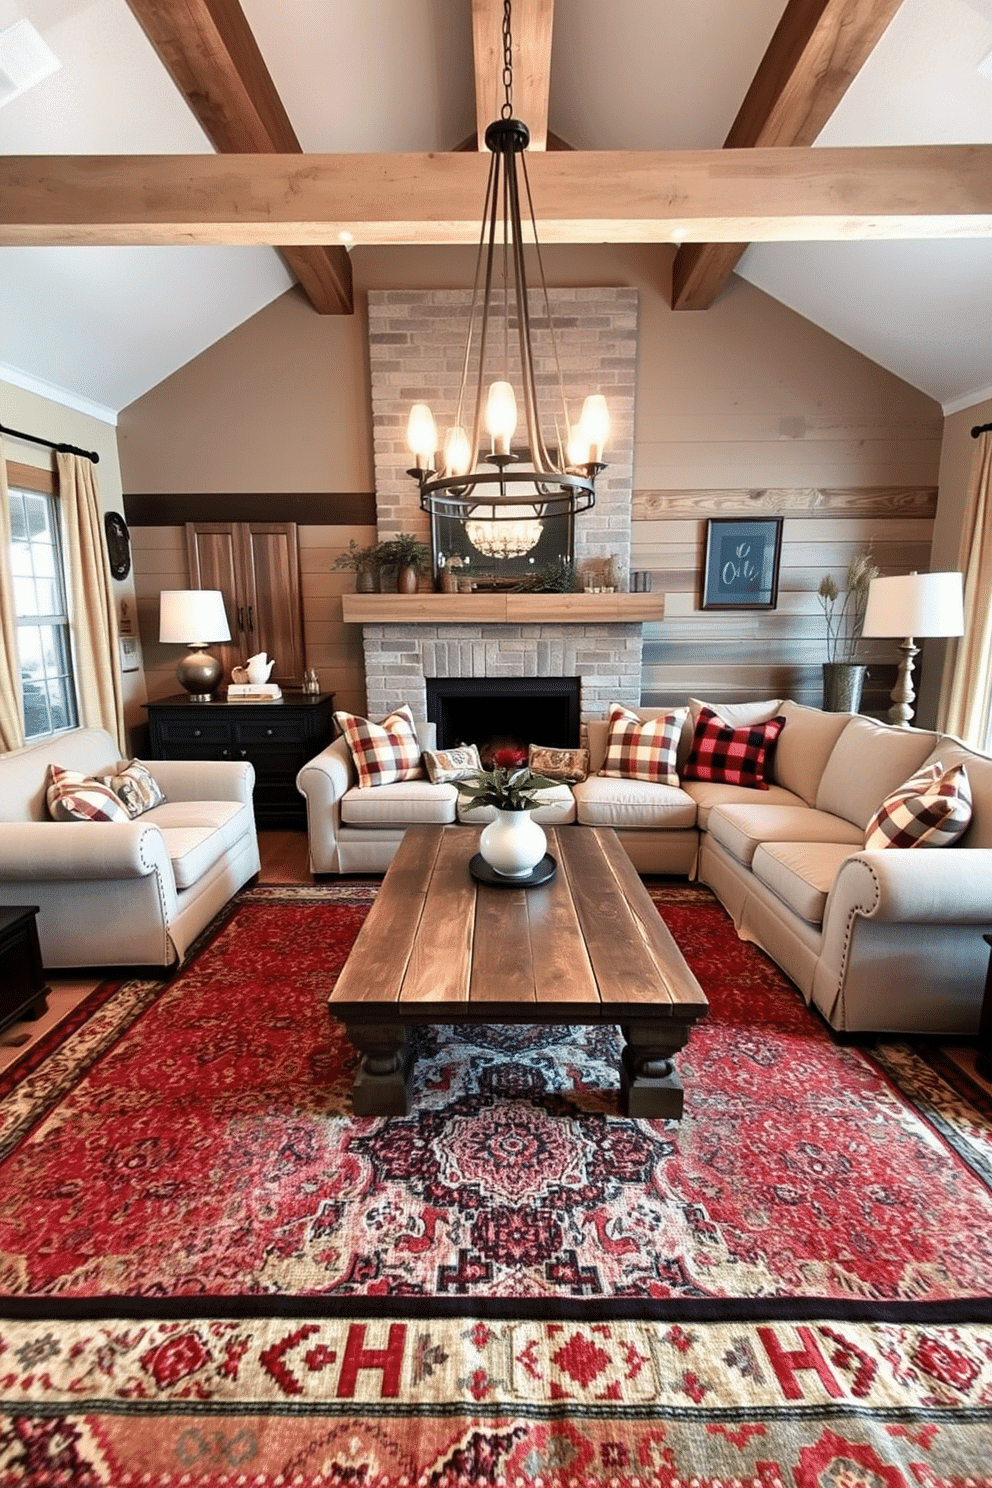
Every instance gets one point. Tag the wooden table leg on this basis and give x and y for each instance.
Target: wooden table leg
(649, 1085)
(381, 1084)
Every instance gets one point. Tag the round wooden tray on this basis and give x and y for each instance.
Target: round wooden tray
(542, 874)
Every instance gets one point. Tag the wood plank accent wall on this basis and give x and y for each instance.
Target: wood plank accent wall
(729, 656)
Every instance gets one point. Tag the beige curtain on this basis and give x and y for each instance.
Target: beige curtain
(967, 688)
(11, 704)
(95, 646)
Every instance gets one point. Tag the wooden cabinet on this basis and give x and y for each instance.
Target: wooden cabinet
(256, 567)
(23, 993)
(277, 738)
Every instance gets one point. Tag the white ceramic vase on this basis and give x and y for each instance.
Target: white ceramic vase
(513, 844)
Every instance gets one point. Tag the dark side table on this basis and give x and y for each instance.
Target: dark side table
(23, 993)
(983, 1059)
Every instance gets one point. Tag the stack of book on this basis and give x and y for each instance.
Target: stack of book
(253, 692)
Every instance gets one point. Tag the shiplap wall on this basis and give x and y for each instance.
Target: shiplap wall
(735, 655)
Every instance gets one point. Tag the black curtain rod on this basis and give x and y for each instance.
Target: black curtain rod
(981, 429)
(62, 449)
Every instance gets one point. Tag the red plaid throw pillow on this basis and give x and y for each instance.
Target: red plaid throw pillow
(637, 750)
(732, 756)
(932, 809)
(383, 752)
(75, 797)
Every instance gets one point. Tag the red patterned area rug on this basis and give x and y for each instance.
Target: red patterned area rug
(211, 1273)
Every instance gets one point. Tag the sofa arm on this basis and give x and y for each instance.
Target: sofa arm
(40, 852)
(913, 886)
(204, 780)
(323, 781)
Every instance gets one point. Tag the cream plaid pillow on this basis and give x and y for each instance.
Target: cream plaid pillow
(643, 751)
(383, 752)
(932, 809)
(72, 796)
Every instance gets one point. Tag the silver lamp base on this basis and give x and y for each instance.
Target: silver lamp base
(200, 674)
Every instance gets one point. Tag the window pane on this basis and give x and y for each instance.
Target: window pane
(29, 648)
(35, 711)
(37, 510)
(59, 704)
(25, 602)
(45, 560)
(18, 525)
(20, 560)
(43, 635)
(47, 597)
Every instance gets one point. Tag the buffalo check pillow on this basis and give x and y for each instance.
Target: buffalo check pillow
(639, 749)
(731, 756)
(932, 809)
(385, 752)
(75, 797)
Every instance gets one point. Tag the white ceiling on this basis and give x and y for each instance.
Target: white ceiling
(98, 327)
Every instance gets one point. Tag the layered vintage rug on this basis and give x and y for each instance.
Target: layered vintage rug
(211, 1273)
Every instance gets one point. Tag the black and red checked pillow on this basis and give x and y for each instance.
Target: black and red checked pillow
(385, 752)
(932, 809)
(643, 749)
(731, 756)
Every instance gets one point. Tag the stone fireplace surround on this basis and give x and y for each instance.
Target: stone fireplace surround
(416, 343)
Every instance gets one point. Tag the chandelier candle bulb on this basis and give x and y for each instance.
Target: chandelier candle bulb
(421, 434)
(501, 416)
(457, 452)
(594, 427)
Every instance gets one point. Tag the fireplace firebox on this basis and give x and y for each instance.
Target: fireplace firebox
(504, 712)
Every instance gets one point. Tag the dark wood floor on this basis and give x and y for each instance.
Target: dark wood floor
(284, 858)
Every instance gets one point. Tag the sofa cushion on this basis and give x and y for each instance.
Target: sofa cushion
(445, 766)
(136, 787)
(638, 749)
(801, 874)
(568, 765)
(867, 763)
(383, 752)
(601, 801)
(932, 809)
(804, 746)
(197, 834)
(404, 803)
(557, 808)
(72, 796)
(710, 793)
(733, 756)
(741, 829)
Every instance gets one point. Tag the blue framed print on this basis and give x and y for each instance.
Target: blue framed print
(740, 571)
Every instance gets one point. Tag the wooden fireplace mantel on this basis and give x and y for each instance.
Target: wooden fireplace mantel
(496, 609)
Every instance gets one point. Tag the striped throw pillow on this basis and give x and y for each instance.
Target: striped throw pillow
(136, 787)
(932, 809)
(75, 797)
(385, 752)
(731, 756)
(643, 750)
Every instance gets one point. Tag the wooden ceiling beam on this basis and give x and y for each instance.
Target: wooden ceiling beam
(212, 57)
(818, 48)
(531, 52)
(774, 195)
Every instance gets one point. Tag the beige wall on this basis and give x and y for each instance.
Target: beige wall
(50, 420)
(745, 396)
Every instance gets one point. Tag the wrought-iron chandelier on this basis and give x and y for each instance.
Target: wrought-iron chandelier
(503, 509)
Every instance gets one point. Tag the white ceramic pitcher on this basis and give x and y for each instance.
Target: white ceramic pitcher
(258, 668)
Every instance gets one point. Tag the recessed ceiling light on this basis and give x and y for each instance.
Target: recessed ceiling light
(24, 60)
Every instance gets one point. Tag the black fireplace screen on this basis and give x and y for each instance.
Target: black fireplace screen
(504, 712)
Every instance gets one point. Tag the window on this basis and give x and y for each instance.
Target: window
(43, 641)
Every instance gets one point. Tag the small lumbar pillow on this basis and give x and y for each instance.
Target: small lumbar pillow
(932, 809)
(728, 755)
(136, 787)
(637, 750)
(75, 797)
(568, 765)
(445, 766)
(385, 752)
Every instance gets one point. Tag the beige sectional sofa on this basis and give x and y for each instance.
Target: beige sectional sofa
(882, 941)
(131, 893)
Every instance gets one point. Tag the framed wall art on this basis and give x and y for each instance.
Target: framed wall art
(740, 570)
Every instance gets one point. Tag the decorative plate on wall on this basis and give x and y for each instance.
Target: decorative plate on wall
(118, 544)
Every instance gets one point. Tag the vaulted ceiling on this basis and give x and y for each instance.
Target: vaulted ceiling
(848, 142)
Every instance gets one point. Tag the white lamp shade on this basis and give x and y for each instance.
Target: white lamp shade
(192, 615)
(915, 605)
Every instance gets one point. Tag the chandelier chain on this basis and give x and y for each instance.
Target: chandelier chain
(506, 112)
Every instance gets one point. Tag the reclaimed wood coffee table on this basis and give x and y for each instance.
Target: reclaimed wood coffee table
(587, 948)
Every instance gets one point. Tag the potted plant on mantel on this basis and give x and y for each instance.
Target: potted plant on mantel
(843, 674)
(364, 562)
(512, 843)
(408, 556)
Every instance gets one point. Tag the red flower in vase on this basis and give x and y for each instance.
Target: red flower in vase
(509, 756)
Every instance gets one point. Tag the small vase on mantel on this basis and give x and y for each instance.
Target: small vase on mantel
(842, 684)
(513, 843)
(406, 580)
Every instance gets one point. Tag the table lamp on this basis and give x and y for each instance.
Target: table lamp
(911, 605)
(194, 618)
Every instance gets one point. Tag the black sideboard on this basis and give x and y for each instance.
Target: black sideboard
(277, 738)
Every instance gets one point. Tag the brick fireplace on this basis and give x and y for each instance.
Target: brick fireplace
(416, 345)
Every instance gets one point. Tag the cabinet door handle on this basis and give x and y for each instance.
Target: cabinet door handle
(270, 732)
(197, 733)
(241, 617)
(251, 623)
(244, 754)
(225, 753)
